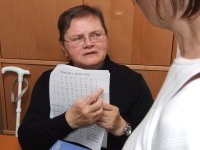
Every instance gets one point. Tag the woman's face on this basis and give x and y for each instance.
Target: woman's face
(89, 54)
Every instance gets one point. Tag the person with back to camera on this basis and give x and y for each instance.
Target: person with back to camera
(173, 122)
(83, 38)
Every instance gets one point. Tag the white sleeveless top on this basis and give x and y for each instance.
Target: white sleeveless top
(173, 122)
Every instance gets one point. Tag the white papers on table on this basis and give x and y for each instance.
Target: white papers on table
(68, 84)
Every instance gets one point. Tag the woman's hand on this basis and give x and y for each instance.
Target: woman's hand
(111, 120)
(85, 111)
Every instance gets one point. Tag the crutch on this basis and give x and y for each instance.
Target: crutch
(21, 72)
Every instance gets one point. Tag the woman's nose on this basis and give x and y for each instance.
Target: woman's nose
(87, 41)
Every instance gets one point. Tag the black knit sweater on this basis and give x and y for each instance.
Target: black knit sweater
(128, 91)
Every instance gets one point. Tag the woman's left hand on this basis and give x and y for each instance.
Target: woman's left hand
(111, 120)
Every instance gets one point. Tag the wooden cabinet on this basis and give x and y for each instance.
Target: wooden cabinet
(29, 28)
(8, 80)
(136, 43)
(132, 39)
(29, 39)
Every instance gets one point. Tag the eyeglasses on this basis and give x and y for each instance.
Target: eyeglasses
(80, 40)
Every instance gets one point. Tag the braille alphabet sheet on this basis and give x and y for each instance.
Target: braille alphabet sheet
(66, 85)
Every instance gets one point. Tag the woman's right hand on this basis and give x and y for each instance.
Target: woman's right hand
(85, 111)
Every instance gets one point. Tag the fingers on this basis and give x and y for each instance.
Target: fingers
(109, 117)
(95, 102)
(94, 96)
(97, 105)
(108, 107)
(86, 111)
(97, 114)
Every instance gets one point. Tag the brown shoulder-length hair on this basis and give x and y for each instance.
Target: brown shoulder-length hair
(80, 11)
(192, 9)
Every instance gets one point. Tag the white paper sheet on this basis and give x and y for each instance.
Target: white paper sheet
(67, 84)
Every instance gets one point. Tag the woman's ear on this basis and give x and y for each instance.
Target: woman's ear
(64, 49)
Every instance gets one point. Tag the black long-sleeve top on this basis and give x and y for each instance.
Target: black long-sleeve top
(128, 91)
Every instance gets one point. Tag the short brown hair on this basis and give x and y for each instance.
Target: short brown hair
(78, 12)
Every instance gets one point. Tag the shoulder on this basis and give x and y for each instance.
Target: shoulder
(122, 70)
(121, 75)
(47, 73)
(191, 90)
(44, 77)
(179, 120)
(182, 112)
(186, 101)
(189, 96)
(127, 76)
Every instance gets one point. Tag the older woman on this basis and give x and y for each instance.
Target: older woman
(173, 122)
(83, 38)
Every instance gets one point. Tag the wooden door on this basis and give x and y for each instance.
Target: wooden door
(132, 39)
(29, 40)
(136, 43)
(29, 28)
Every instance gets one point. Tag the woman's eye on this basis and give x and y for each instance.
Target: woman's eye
(77, 39)
(95, 34)
(98, 34)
